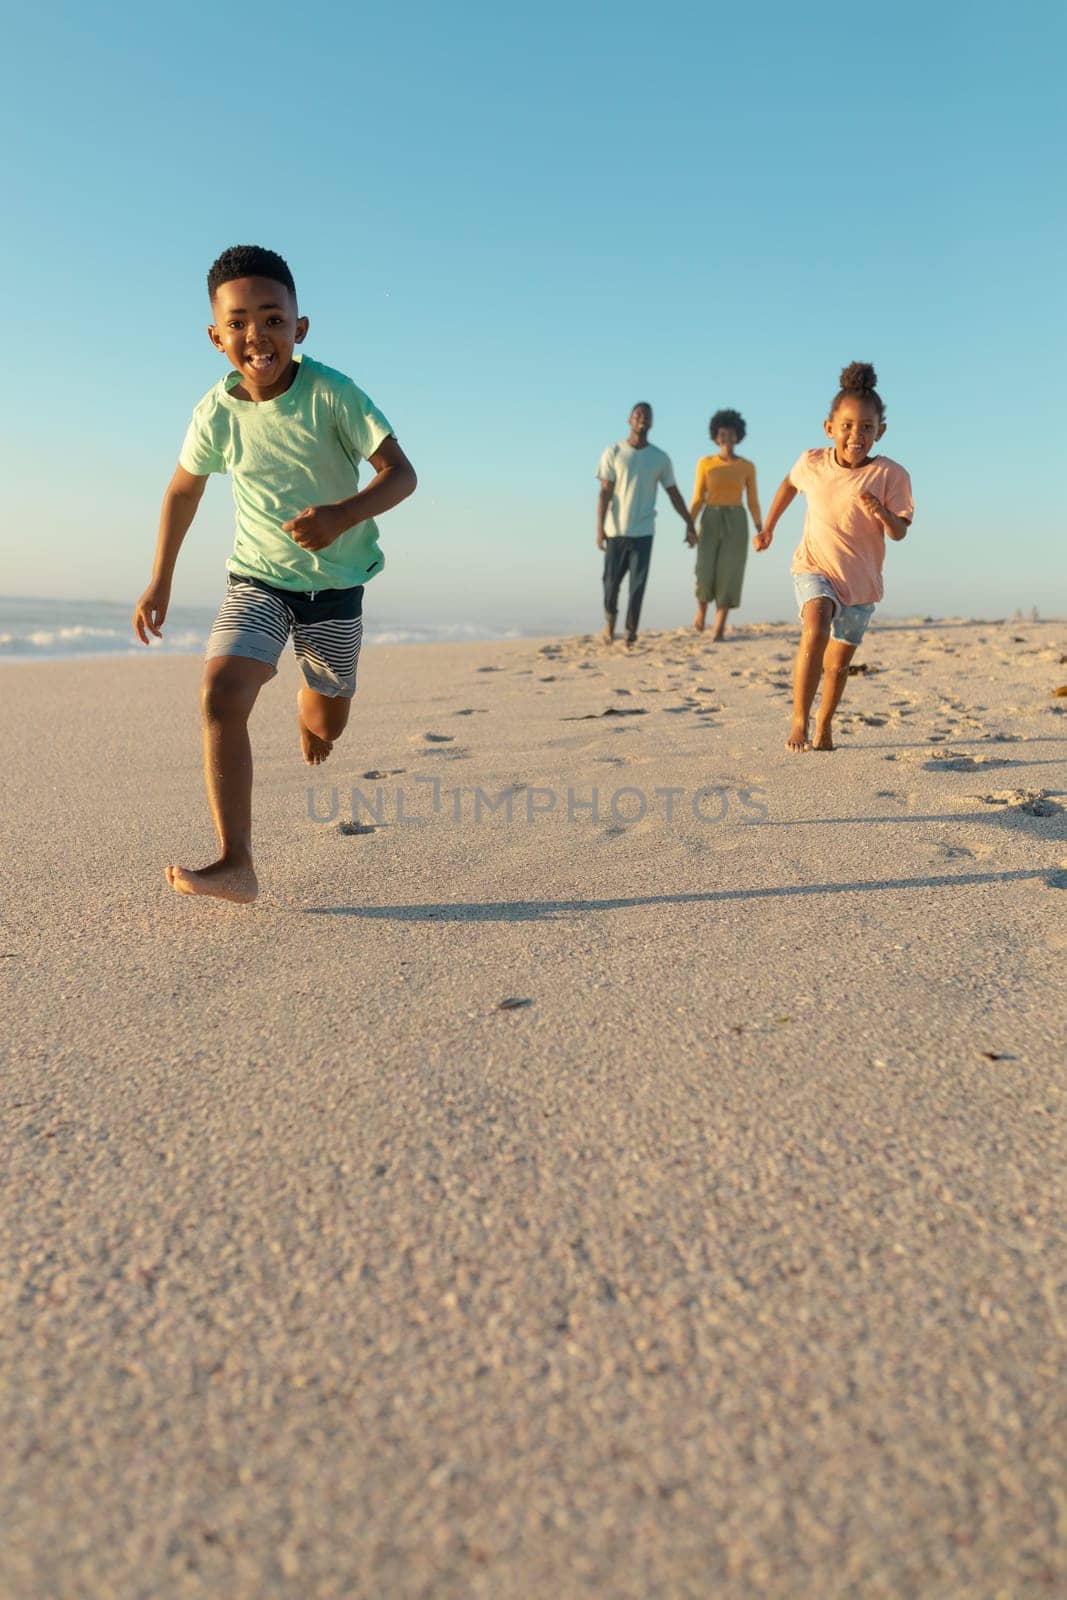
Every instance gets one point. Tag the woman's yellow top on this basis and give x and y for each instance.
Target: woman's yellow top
(720, 483)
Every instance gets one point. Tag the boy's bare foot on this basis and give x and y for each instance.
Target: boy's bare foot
(798, 738)
(823, 739)
(315, 749)
(223, 880)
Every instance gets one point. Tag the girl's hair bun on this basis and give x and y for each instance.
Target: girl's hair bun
(857, 376)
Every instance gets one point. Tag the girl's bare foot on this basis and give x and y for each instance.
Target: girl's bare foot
(315, 749)
(225, 879)
(700, 618)
(717, 636)
(823, 739)
(798, 738)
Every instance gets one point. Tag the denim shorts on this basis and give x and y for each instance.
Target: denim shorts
(255, 620)
(849, 622)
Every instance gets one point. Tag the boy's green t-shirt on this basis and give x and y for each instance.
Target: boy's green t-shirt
(301, 449)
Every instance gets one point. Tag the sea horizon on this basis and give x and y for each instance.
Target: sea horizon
(37, 628)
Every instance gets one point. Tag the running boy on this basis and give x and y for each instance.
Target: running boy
(630, 472)
(855, 500)
(292, 434)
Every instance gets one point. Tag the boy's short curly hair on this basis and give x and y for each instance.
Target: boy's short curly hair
(858, 381)
(249, 261)
(728, 419)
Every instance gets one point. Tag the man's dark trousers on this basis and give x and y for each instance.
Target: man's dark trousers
(622, 556)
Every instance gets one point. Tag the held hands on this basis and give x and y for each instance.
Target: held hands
(763, 538)
(316, 526)
(151, 610)
(691, 535)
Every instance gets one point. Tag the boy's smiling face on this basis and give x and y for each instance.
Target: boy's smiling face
(256, 327)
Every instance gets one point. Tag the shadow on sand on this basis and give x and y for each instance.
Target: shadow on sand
(548, 910)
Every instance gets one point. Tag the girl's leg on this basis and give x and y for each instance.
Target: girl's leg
(807, 669)
(720, 623)
(228, 693)
(834, 677)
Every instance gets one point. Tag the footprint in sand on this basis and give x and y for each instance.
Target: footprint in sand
(953, 852)
(1033, 802)
(469, 711)
(350, 828)
(433, 738)
(488, 669)
(960, 761)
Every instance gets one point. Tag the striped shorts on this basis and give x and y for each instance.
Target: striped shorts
(255, 620)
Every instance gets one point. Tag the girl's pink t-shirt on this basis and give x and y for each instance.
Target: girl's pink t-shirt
(842, 541)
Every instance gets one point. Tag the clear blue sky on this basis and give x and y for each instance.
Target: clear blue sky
(510, 225)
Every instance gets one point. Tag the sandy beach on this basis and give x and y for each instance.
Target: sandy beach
(727, 1260)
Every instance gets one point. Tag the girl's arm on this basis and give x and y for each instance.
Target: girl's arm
(784, 498)
(896, 527)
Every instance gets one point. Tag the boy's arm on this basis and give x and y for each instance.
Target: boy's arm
(604, 499)
(394, 479)
(784, 498)
(683, 511)
(183, 495)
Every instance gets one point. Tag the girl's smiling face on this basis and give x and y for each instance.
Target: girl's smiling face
(726, 439)
(855, 427)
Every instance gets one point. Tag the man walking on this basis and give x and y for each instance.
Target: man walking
(630, 472)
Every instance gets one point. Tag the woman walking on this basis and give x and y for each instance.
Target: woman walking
(723, 531)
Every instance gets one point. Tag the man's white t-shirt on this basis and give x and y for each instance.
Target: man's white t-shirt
(636, 474)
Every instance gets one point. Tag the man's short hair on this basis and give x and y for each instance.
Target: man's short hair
(249, 261)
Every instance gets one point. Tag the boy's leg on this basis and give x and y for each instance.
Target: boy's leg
(327, 636)
(640, 559)
(807, 669)
(229, 690)
(834, 677)
(322, 720)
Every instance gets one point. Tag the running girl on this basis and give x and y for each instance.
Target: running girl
(855, 500)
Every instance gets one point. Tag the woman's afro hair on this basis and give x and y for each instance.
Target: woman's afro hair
(728, 419)
(858, 379)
